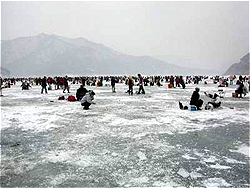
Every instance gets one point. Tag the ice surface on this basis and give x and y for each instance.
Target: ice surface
(128, 141)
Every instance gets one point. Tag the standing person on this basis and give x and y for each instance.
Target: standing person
(182, 82)
(83, 80)
(240, 86)
(231, 79)
(113, 83)
(171, 80)
(195, 99)
(101, 81)
(1, 83)
(130, 85)
(177, 81)
(87, 99)
(57, 83)
(44, 85)
(61, 82)
(141, 89)
(66, 84)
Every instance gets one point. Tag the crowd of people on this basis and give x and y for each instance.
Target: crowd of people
(87, 96)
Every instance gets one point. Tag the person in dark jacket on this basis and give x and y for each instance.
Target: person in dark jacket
(66, 84)
(182, 82)
(141, 89)
(240, 86)
(171, 80)
(1, 83)
(80, 92)
(195, 99)
(44, 85)
(113, 83)
(25, 85)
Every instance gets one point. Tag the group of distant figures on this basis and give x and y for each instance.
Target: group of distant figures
(86, 97)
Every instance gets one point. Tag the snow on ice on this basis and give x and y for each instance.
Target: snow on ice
(138, 141)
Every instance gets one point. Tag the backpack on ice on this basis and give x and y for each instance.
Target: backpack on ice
(71, 98)
(61, 98)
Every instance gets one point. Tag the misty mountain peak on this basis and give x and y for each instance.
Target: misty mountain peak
(55, 55)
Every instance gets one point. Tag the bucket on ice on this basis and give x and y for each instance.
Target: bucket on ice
(193, 108)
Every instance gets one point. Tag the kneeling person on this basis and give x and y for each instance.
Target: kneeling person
(87, 99)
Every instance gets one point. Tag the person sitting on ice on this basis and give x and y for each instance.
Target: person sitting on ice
(80, 92)
(211, 96)
(215, 101)
(195, 99)
(87, 99)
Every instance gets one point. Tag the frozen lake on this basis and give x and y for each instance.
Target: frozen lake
(123, 141)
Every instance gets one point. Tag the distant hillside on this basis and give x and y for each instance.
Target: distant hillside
(241, 68)
(4, 72)
(54, 55)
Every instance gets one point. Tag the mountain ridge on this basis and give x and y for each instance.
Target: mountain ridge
(55, 55)
(240, 68)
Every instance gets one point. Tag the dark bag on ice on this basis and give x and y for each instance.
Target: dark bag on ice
(61, 98)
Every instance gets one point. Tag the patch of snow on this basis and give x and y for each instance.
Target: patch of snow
(243, 149)
(140, 180)
(233, 161)
(218, 166)
(169, 184)
(211, 159)
(186, 156)
(57, 156)
(183, 173)
(216, 182)
(141, 156)
(195, 175)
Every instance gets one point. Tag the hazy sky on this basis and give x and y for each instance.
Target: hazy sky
(197, 34)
